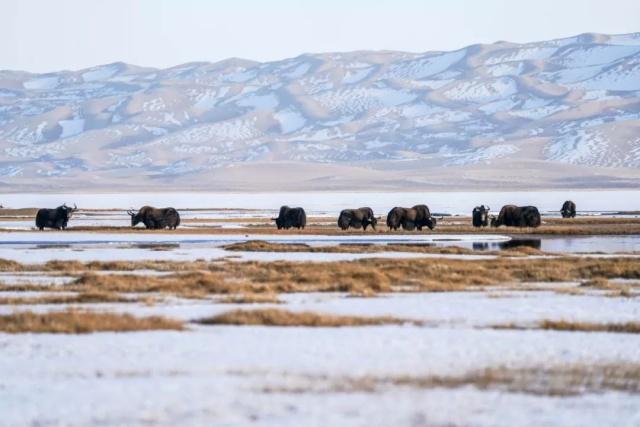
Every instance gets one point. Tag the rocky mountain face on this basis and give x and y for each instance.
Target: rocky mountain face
(559, 113)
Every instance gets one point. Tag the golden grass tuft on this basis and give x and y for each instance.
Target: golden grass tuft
(597, 283)
(91, 297)
(277, 317)
(82, 322)
(264, 246)
(251, 299)
(562, 380)
(360, 277)
(9, 265)
(566, 325)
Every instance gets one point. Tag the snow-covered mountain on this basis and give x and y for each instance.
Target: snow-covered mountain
(563, 112)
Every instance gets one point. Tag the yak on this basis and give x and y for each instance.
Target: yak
(155, 219)
(290, 217)
(54, 218)
(357, 218)
(410, 218)
(568, 209)
(480, 216)
(517, 216)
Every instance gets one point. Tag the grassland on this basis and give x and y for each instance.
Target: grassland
(82, 322)
(560, 380)
(566, 325)
(368, 276)
(596, 225)
(277, 317)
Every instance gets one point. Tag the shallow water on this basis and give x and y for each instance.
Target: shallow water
(41, 247)
(565, 244)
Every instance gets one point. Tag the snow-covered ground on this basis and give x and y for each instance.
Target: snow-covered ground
(226, 375)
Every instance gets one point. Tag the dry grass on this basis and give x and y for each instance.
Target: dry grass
(250, 299)
(264, 246)
(597, 283)
(9, 265)
(361, 277)
(565, 325)
(31, 212)
(92, 297)
(82, 322)
(621, 290)
(565, 380)
(276, 317)
(446, 225)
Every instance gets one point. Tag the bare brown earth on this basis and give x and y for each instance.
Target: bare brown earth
(82, 322)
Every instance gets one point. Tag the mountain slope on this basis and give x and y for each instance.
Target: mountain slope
(557, 113)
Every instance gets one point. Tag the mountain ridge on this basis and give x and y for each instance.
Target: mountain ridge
(558, 113)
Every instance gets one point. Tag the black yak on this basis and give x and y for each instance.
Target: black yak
(291, 217)
(54, 218)
(480, 216)
(357, 218)
(155, 219)
(517, 216)
(410, 218)
(568, 209)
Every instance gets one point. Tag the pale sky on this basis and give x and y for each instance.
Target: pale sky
(50, 35)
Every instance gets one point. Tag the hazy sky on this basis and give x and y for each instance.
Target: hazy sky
(49, 35)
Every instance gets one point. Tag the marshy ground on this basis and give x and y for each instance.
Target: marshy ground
(250, 326)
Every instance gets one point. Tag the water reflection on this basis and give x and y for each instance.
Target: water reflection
(510, 244)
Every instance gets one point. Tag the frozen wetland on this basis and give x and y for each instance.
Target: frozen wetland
(488, 328)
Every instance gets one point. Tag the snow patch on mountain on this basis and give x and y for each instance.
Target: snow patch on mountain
(570, 101)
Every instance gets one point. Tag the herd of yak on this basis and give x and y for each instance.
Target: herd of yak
(409, 219)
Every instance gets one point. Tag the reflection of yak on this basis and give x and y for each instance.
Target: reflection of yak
(521, 243)
(568, 209)
(156, 219)
(291, 217)
(357, 218)
(517, 216)
(54, 218)
(480, 216)
(410, 218)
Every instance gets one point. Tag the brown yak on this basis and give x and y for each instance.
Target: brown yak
(357, 218)
(410, 218)
(517, 216)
